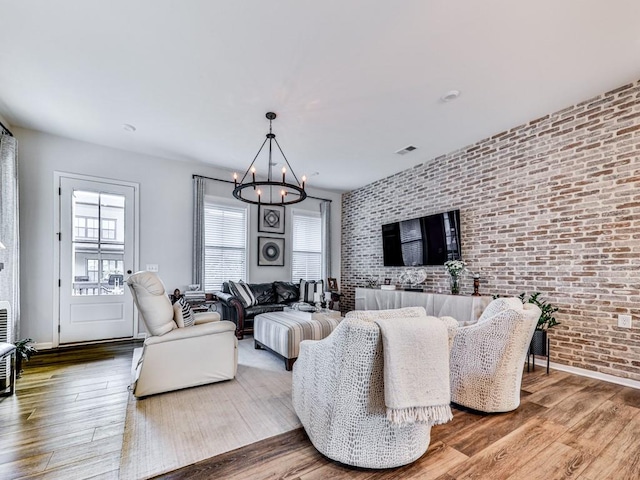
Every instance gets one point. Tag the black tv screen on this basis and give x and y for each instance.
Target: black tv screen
(430, 240)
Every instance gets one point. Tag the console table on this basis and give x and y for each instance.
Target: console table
(465, 309)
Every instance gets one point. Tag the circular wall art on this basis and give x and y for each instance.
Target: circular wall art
(270, 251)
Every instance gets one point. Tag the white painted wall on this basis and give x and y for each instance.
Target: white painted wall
(165, 217)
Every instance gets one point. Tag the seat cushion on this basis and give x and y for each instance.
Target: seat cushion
(257, 309)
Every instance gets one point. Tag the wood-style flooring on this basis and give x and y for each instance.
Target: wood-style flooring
(67, 422)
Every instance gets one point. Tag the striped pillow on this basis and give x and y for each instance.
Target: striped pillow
(308, 289)
(243, 292)
(183, 314)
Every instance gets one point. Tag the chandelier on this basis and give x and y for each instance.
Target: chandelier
(272, 191)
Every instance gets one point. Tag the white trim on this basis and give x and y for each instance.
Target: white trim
(57, 177)
(627, 382)
(43, 346)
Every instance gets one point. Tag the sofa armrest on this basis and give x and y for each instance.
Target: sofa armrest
(232, 310)
(211, 328)
(206, 317)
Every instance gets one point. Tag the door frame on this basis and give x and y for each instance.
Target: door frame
(57, 176)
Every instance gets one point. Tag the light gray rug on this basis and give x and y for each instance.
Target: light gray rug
(171, 430)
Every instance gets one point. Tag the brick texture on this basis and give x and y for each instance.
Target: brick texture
(550, 206)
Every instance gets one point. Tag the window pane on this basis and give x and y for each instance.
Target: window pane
(306, 260)
(225, 239)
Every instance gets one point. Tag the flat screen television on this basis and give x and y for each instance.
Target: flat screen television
(430, 240)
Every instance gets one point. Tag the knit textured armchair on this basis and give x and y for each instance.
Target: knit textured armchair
(487, 357)
(338, 394)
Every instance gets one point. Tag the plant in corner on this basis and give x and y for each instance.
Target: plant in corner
(545, 322)
(24, 351)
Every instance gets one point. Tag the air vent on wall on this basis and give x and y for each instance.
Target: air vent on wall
(406, 150)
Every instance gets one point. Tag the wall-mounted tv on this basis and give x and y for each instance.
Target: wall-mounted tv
(430, 240)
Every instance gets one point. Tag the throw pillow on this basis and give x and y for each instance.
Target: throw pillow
(308, 289)
(183, 314)
(243, 292)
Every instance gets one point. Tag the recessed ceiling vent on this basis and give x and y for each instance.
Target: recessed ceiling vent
(406, 150)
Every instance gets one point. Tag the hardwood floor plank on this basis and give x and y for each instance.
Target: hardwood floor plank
(25, 466)
(510, 453)
(489, 429)
(599, 428)
(86, 469)
(621, 457)
(556, 462)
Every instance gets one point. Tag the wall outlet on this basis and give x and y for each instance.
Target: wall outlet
(624, 321)
(152, 267)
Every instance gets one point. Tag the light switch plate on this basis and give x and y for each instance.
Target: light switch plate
(152, 267)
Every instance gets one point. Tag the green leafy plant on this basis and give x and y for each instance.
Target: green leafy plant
(24, 348)
(546, 320)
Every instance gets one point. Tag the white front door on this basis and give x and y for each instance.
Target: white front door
(96, 256)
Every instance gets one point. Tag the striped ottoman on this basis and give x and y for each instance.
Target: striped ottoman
(282, 332)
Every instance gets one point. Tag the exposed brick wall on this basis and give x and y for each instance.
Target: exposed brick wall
(550, 206)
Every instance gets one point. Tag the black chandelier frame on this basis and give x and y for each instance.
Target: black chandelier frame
(287, 194)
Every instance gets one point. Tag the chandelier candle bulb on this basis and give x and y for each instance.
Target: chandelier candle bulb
(304, 179)
(253, 173)
(284, 171)
(235, 179)
(259, 193)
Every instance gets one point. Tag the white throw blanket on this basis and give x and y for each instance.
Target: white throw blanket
(416, 370)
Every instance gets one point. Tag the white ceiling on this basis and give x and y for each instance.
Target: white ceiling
(352, 81)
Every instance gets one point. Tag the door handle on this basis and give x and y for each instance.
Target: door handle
(128, 272)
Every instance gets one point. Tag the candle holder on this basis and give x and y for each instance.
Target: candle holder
(476, 286)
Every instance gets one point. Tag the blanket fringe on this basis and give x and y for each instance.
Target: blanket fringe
(434, 415)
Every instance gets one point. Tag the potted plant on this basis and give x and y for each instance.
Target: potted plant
(24, 351)
(545, 322)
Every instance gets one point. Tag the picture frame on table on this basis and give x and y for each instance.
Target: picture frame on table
(270, 252)
(387, 281)
(332, 284)
(271, 219)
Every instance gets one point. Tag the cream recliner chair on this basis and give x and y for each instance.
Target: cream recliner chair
(173, 358)
(487, 357)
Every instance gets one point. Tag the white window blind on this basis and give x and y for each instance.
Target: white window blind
(306, 262)
(225, 245)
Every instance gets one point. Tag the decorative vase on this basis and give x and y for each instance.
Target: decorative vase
(455, 284)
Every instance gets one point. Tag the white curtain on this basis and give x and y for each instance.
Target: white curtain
(325, 213)
(9, 256)
(199, 185)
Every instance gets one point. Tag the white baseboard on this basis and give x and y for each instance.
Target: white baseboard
(43, 346)
(627, 382)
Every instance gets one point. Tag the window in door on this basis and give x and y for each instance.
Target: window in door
(306, 260)
(98, 247)
(225, 244)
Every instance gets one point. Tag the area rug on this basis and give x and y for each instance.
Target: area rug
(171, 430)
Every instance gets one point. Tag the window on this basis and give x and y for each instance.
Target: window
(87, 227)
(111, 267)
(306, 260)
(92, 270)
(108, 229)
(225, 245)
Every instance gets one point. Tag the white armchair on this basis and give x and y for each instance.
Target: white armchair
(338, 394)
(487, 357)
(173, 358)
